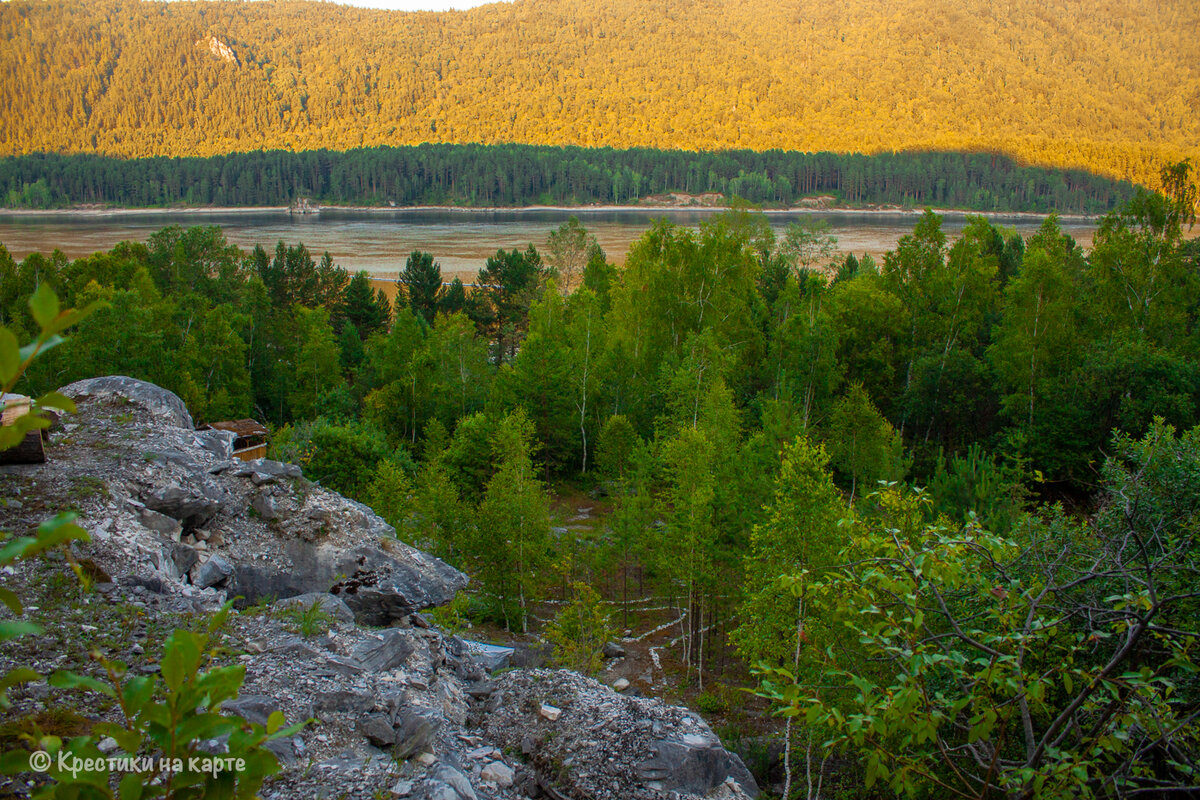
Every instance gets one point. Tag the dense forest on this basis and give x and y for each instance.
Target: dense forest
(946, 504)
(1113, 88)
(513, 175)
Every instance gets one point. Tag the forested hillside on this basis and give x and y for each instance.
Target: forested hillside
(1111, 87)
(515, 175)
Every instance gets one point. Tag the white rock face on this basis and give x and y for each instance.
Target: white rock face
(219, 49)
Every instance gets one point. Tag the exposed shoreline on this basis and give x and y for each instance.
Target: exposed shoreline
(116, 211)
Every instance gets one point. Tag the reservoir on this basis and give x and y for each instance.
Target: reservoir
(379, 241)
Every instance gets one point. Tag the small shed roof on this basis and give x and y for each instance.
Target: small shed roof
(242, 428)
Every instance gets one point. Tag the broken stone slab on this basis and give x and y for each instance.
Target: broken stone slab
(296, 648)
(224, 466)
(499, 773)
(447, 783)
(549, 712)
(268, 468)
(284, 750)
(334, 667)
(255, 709)
(159, 523)
(342, 702)
(382, 587)
(693, 764)
(388, 587)
(643, 746)
(265, 506)
(213, 572)
(481, 690)
(354, 763)
(174, 559)
(481, 753)
(384, 653)
(532, 655)
(218, 443)
(162, 404)
(378, 730)
(192, 505)
(415, 733)
(489, 656)
(333, 606)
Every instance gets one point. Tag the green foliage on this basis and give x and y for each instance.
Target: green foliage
(318, 368)
(308, 621)
(863, 445)
(344, 458)
(444, 521)
(389, 493)
(517, 175)
(453, 617)
(978, 484)
(171, 716)
(511, 545)
(808, 245)
(801, 534)
(366, 311)
(469, 456)
(507, 286)
(420, 285)
(615, 450)
(1055, 663)
(578, 632)
(571, 249)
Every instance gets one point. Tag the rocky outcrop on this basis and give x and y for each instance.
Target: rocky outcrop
(181, 510)
(219, 49)
(161, 405)
(585, 740)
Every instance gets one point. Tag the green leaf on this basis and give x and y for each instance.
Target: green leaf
(70, 680)
(131, 787)
(19, 675)
(181, 658)
(55, 531)
(12, 628)
(56, 400)
(137, 692)
(44, 306)
(10, 599)
(10, 357)
(15, 549)
(40, 347)
(275, 721)
(14, 762)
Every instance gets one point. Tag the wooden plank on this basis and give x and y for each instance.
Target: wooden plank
(251, 453)
(15, 405)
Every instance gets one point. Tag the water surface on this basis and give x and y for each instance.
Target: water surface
(380, 241)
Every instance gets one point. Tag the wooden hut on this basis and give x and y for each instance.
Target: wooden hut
(251, 441)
